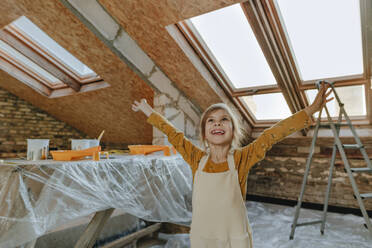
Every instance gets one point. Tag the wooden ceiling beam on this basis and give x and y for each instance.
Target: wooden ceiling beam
(256, 90)
(266, 28)
(286, 52)
(268, 36)
(366, 21)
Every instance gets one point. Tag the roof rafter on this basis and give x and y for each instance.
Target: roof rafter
(268, 32)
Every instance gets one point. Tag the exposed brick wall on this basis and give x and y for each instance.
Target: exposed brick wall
(281, 177)
(20, 120)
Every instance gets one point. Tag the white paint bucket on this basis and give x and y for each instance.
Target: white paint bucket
(81, 144)
(37, 149)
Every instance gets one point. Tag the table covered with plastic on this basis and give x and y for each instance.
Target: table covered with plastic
(38, 196)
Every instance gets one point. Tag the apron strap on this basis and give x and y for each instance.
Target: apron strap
(203, 161)
(230, 159)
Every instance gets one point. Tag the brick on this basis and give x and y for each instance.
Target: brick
(179, 122)
(158, 141)
(6, 104)
(185, 105)
(156, 133)
(190, 128)
(161, 100)
(25, 121)
(170, 112)
(306, 149)
(163, 84)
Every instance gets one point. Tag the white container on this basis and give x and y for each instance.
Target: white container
(37, 149)
(81, 144)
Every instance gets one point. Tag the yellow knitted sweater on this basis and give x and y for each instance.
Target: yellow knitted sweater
(244, 157)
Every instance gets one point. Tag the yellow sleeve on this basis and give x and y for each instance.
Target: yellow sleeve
(256, 151)
(190, 153)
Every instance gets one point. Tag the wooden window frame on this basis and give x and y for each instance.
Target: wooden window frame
(71, 81)
(269, 31)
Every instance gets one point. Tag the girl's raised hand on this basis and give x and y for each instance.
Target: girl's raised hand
(143, 106)
(320, 99)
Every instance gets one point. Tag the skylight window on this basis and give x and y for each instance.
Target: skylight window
(325, 37)
(352, 96)
(52, 47)
(303, 41)
(31, 56)
(232, 42)
(28, 65)
(267, 106)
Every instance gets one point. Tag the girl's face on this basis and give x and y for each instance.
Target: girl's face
(219, 128)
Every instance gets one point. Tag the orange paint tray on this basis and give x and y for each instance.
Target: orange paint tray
(67, 155)
(147, 149)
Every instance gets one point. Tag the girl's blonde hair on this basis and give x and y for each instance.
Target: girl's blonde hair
(237, 131)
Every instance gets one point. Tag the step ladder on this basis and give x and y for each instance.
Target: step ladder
(335, 127)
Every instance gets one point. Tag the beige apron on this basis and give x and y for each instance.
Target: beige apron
(219, 216)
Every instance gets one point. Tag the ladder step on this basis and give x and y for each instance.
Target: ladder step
(364, 169)
(352, 146)
(365, 196)
(309, 223)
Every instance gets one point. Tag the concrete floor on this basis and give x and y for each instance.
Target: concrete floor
(270, 224)
(271, 228)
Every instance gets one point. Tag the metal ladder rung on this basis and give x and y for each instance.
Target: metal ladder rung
(352, 146)
(366, 195)
(364, 169)
(309, 223)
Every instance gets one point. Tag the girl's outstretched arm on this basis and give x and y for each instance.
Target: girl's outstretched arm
(189, 152)
(320, 100)
(254, 152)
(142, 106)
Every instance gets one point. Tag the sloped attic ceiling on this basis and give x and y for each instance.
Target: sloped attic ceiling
(110, 108)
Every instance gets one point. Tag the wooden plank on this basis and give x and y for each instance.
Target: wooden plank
(84, 88)
(24, 77)
(256, 90)
(94, 228)
(134, 236)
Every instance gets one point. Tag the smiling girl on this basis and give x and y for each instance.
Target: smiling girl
(220, 169)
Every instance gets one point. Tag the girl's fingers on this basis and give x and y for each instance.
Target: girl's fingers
(328, 93)
(137, 103)
(330, 99)
(134, 108)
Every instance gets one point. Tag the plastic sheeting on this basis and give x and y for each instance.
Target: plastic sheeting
(271, 225)
(38, 196)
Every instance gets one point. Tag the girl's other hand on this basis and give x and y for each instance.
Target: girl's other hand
(143, 106)
(320, 99)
